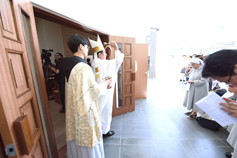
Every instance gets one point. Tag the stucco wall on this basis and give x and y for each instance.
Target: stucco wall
(66, 32)
(49, 36)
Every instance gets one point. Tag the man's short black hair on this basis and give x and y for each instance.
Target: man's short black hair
(59, 54)
(74, 42)
(220, 63)
(197, 56)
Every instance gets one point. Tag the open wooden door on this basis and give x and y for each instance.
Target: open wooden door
(124, 98)
(142, 70)
(17, 91)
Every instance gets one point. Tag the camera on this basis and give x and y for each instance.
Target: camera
(45, 56)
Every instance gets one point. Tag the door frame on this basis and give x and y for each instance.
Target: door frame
(47, 14)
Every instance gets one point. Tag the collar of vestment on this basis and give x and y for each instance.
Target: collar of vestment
(67, 64)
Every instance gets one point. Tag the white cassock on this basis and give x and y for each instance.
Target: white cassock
(105, 102)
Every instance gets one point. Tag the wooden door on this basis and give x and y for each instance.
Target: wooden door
(142, 70)
(124, 99)
(17, 92)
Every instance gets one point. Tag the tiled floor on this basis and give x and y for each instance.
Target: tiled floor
(158, 128)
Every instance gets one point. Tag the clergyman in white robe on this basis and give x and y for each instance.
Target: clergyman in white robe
(107, 68)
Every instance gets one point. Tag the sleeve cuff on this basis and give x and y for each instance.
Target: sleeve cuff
(103, 88)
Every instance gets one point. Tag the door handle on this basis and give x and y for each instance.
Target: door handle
(133, 76)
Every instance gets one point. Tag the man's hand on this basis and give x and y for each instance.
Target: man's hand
(114, 45)
(56, 71)
(108, 82)
(190, 81)
(230, 107)
(232, 89)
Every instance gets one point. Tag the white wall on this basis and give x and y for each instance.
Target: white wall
(49, 36)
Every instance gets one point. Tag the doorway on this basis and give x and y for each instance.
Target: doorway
(52, 37)
(51, 42)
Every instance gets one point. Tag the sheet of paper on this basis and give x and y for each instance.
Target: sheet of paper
(188, 86)
(211, 105)
(228, 94)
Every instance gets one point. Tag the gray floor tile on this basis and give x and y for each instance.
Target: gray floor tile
(138, 133)
(166, 134)
(222, 133)
(226, 143)
(211, 152)
(137, 141)
(138, 103)
(135, 151)
(178, 155)
(114, 141)
(134, 124)
(205, 142)
(193, 156)
(163, 155)
(116, 123)
(187, 147)
(174, 147)
(111, 151)
(137, 114)
(160, 146)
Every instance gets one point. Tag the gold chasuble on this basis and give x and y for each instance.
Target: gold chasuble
(82, 115)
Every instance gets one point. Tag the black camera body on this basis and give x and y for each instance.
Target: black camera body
(45, 56)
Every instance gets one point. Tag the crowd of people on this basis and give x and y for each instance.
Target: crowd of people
(202, 74)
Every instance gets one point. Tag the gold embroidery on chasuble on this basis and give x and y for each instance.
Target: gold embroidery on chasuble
(81, 97)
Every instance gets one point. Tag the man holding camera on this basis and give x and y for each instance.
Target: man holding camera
(60, 77)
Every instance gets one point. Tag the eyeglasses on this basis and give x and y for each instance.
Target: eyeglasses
(88, 47)
(228, 82)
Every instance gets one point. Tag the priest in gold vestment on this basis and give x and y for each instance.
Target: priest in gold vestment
(83, 123)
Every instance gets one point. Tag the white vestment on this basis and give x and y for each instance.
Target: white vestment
(107, 68)
(232, 139)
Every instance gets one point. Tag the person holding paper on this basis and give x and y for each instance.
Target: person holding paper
(197, 88)
(233, 134)
(222, 66)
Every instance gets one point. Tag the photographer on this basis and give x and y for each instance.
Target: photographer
(60, 77)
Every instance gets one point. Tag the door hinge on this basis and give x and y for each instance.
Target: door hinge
(10, 150)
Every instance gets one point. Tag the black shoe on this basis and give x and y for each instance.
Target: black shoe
(62, 111)
(188, 113)
(192, 116)
(110, 133)
(228, 154)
